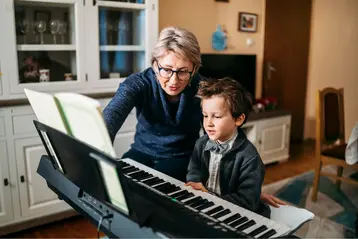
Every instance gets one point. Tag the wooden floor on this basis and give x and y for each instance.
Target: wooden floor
(301, 160)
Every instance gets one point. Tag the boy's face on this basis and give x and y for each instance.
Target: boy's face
(218, 121)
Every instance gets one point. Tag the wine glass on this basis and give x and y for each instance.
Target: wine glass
(62, 31)
(54, 29)
(25, 28)
(41, 28)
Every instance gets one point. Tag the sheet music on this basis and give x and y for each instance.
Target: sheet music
(52, 152)
(113, 184)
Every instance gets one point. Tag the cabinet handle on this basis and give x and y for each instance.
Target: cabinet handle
(22, 178)
(260, 141)
(94, 2)
(6, 182)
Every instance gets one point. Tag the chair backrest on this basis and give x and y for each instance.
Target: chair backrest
(330, 116)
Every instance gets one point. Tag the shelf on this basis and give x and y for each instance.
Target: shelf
(122, 5)
(46, 47)
(42, 3)
(121, 48)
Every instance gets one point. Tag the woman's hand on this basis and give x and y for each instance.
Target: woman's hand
(197, 186)
(271, 200)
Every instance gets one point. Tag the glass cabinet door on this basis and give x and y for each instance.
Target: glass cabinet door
(122, 42)
(47, 41)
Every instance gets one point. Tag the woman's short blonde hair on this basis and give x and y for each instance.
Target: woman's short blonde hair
(181, 42)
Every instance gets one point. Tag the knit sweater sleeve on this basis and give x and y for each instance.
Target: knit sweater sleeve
(130, 93)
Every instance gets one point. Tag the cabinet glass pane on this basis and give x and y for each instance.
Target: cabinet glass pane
(46, 41)
(130, 1)
(118, 64)
(44, 23)
(46, 66)
(121, 27)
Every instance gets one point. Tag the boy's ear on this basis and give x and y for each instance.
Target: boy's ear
(240, 120)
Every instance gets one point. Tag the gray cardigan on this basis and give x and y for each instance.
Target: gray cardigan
(241, 173)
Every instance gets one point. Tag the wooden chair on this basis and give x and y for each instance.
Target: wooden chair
(330, 137)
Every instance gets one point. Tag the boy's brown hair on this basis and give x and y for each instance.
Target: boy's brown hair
(237, 98)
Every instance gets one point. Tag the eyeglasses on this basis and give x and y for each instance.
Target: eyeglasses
(168, 73)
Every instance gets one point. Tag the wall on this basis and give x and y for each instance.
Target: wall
(333, 58)
(202, 16)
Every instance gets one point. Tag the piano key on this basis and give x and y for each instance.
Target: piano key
(211, 201)
(214, 210)
(246, 225)
(186, 195)
(192, 200)
(205, 206)
(176, 194)
(238, 222)
(268, 234)
(222, 213)
(258, 231)
(231, 218)
(198, 203)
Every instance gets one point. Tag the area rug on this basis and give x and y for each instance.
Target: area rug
(335, 210)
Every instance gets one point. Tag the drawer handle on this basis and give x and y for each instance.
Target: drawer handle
(22, 178)
(6, 182)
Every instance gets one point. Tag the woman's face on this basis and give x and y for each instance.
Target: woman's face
(173, 73)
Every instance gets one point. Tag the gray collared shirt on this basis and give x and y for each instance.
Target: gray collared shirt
(213, 183)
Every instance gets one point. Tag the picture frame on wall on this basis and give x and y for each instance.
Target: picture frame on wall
(247, 22)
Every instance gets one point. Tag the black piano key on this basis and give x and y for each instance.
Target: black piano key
(193, 200)
(173, 189)
(205, 206)
(214, 210)
(137, 174)
(146, 176)
(222, 213)
(232, 218)
(246, 225)
(258, 231)
(238, 222)
(268, 234)
(177, 194)
(129, 169)
(163, 187)
(153, 181)
(185, 196)
(198, 203)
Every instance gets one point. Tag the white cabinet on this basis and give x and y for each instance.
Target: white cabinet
(75, 45)
(6, 209)
(274, 139)
(123, 142)
(271, 137)
(35, 196)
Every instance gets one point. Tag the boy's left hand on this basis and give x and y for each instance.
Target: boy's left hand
(197, 186)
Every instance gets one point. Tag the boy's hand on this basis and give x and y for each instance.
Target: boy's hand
(197, 186)
(271, 200)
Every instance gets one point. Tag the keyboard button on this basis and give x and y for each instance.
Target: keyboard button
(205, 206)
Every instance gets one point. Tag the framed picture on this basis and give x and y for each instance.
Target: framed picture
(247, 22)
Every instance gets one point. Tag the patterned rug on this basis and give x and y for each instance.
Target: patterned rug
(335, 210)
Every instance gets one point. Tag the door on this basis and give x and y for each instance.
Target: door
(6, 210)
(36, 198)
(287, 37)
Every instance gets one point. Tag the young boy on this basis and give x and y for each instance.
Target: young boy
(224, 161)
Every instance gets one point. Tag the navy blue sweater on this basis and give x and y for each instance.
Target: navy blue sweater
(162, 131)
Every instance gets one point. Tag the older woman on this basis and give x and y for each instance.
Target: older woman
(168, 112)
